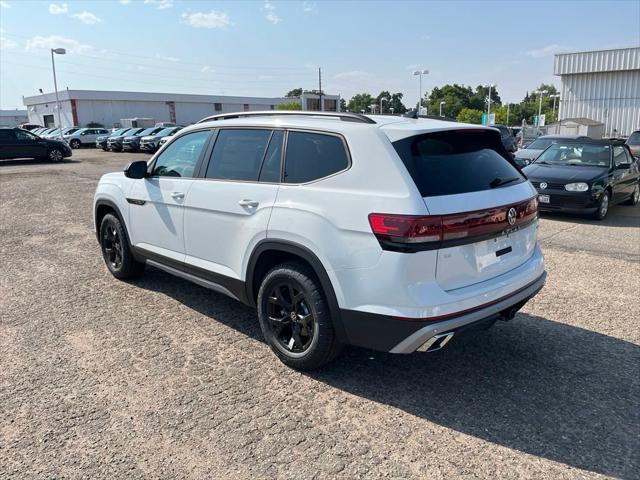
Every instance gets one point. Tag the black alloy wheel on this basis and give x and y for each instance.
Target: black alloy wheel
(112, 246)
(291, 319)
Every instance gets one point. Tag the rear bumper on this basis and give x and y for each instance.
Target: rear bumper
(394, 335)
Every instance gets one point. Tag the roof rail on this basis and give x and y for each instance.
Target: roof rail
(345, 117)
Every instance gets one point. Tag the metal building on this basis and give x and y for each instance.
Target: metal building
(12, 118)
(80, 107)
(601, 85)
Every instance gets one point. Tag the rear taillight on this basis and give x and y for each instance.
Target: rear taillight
(415, 233)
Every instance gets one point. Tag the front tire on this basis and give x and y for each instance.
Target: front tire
(75, 144)
(295, 319)
(635, 196)
(55, 155)
(115, 249)
(603, 206)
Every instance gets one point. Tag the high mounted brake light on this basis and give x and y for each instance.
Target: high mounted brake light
(409, 233)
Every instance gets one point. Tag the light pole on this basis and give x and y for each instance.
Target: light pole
(557, 95)
(420, 73)
(373, 108)
(541, 93)
(386, 100)
(59, 51)
(391, 108)
(441, 103)
(489, 103)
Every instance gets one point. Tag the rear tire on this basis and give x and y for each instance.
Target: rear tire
(635, 196)
(295, 319)
(603, 206)
(75, 143)
(115, 249)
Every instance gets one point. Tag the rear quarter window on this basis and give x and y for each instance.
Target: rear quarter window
(311, 156)
(448, 163)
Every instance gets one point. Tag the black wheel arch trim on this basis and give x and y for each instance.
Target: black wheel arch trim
(317, 267)
(108, 203)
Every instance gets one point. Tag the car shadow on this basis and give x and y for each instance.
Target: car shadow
(533, 384)
(619, 216)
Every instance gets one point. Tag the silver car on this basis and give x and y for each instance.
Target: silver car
(84, 136)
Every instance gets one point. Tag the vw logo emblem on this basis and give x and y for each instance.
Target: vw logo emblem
(543, 185)
(511, 216)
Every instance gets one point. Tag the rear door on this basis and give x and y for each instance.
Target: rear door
(29, 145)
(488, 208)
(227, 211)
(624, 174)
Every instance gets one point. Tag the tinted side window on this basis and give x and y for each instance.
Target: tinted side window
(180, 158)
(619, 156)
(311, 156)
(238, 154)
(270, 171)
(7, 136)
(23, 136)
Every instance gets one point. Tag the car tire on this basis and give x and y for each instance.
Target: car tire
(75, 143)
(635, 196)
(104, 149)
(295, 319)
(116, 250)
(55, 155)
(603, 206)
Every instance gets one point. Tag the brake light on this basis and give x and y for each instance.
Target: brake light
(413, 233)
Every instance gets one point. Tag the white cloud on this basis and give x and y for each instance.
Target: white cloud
(353, 75)
(6, 43)
(87, 18)
(57, 41)
(167, 59)
(270, 10)
(161, 4)
(207, 69)
(310, 7)
(4, 4)
(125, 2)
(424, 36)
(58, 9)
(213, 19)
(546, 51)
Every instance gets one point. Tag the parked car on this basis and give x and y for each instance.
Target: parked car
(132, 143)
(36, 131)
(151, 143)
(508, 140)
(42, 133)
(380, 231)
(30, 126)
(633, 142)
(101, 141)
(18, 143)
(585, 176)
(114, 142)
(84, 136)
(528, 154)
(55, 134)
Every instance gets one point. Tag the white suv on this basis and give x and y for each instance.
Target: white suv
(384, 232)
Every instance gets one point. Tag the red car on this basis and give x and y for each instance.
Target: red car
(634, 143)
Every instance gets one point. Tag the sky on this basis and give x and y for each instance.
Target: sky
(266, 48)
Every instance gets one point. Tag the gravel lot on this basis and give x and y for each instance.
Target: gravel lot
(161, 378)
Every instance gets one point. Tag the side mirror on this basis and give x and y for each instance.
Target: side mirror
(136, 169)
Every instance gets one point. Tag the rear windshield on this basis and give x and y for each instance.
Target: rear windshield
(448, 163)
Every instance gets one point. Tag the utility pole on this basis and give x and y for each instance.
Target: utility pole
(508, 105)
(320, 88)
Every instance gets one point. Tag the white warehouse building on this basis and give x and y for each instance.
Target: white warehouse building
(80, 107)
(601, 85)
(12, 118)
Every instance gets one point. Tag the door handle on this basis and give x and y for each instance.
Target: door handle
(177, 195)
(248, 203)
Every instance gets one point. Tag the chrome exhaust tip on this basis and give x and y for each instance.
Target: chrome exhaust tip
(436, 342)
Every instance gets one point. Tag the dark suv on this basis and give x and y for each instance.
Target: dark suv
(506, 135)
(19, 143)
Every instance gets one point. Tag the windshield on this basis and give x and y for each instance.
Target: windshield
(634, 139)
(541, 143)
(119, 132)
(69, 131)
(166, 131)
(148, 131)
(583, 154)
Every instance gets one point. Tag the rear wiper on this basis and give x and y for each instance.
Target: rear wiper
(497, 182)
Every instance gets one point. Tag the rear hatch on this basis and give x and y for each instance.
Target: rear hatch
(486, 209)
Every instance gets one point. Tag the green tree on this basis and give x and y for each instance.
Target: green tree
(296, 92)
(289, 106)
(343, 105)
(94, 125)
(469, 115)
(360, 102)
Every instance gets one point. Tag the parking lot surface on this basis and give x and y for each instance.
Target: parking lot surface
(160, 378)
